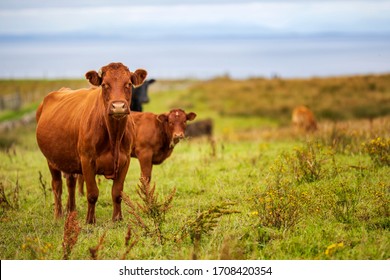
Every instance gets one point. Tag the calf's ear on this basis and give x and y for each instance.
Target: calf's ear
(94, 78)
(191, 116)
(162, 118)
(138, 77)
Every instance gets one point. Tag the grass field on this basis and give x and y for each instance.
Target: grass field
(259, 191)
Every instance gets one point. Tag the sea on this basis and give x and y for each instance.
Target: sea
(198, 58)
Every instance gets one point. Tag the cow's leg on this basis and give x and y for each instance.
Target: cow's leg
(56, 185)
(80, 184)
(71, 183)
(92, 189)
(116, 192)
(145, 161)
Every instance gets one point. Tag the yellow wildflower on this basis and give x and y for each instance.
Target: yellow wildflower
(331, 248)
(255, 213)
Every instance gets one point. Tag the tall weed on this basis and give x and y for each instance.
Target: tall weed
(203, 224)
(150, 214)
(345, 202)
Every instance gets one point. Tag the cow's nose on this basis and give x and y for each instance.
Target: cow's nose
(178, 135)
(118, 107)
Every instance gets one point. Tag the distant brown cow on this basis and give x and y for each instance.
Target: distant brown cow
(303, 119)
(156, 136)
(200, 128)
(85, 132)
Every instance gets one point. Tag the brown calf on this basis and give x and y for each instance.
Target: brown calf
(156, 136)
(85, 132)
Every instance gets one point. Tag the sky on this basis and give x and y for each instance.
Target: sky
(191, 38)
(151, 18)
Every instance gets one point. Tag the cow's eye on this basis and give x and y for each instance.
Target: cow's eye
(105, 86)
(128, 85)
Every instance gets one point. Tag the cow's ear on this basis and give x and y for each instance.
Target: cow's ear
(162, 118)
(138, 77)
(191, 116)
(94, 78)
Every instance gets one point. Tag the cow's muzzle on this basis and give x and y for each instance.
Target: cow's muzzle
(119, 109)
(176, 137)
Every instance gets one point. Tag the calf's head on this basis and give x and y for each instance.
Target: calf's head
(176, 123)
(116, 81)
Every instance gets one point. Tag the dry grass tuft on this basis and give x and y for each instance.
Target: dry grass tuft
(71, 233)
(129, 246)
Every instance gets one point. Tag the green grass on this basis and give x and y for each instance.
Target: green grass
(17, 114)
(346, 205)
(266, 193)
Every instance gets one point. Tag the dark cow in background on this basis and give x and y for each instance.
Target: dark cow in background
(140, 96)
(200, 128)
(156, 136)
(86, 132)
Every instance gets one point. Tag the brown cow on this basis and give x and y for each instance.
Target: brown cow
(303, 119)
(156, 136)
(85, 132)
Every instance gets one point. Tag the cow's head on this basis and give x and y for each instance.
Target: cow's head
(116, 81)
(176, 123)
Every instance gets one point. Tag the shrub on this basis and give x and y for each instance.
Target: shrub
(281, 204)
(36, 248)
(307, 163)
(379, 150)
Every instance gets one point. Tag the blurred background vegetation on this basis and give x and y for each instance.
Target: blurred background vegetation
(335, 99)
